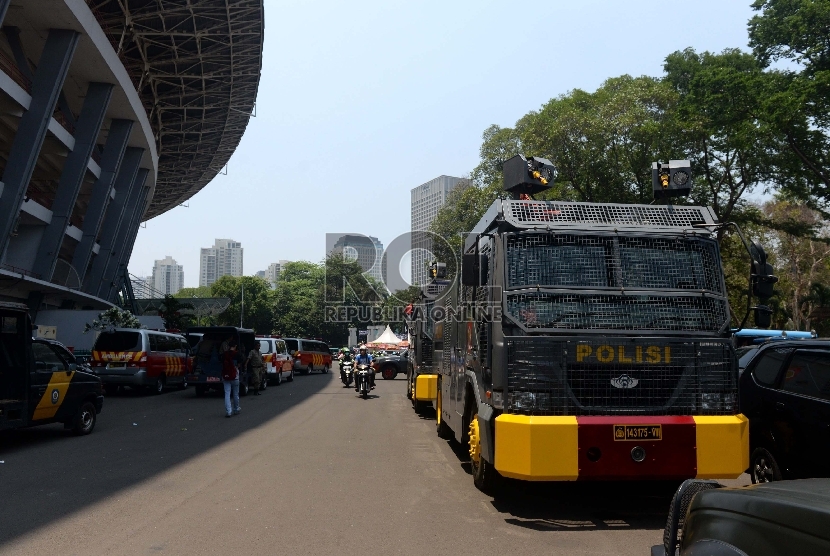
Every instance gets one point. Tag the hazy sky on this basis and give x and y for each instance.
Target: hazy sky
(360, 102)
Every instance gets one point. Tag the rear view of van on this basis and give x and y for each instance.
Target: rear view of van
(278, 364)
(140, 359)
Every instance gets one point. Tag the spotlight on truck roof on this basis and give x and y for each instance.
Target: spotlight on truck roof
(672, 179)
(528, 175)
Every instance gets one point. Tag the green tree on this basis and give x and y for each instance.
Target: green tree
(186, 293)
(113, 317)
(173, 313)
(258, 302)
(797, 103)
(720, 102)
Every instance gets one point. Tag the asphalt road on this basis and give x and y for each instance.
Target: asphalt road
(307, 468)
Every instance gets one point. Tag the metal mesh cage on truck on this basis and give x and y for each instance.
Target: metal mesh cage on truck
(613, 261)
(620, 376)
(523, 214)
(614, 282)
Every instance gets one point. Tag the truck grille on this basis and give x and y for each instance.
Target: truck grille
(620, 376)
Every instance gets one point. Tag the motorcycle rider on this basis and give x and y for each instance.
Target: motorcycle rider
(345, 357)
(363, 358)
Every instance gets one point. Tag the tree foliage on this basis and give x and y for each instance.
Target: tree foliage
(797, 104)
(113, 317)
(172, 315)
(258, 309)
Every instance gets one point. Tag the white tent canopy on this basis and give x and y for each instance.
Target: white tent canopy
(388, 337)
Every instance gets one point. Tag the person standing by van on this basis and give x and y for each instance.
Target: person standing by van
(257, 368)
(230, 380)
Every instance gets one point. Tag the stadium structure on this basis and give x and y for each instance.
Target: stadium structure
(111, 112)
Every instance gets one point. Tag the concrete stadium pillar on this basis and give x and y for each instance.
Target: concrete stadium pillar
(97, 100)
(120, 236)
(46, 87)
(129, 243)
(114, 148)
(116, 209)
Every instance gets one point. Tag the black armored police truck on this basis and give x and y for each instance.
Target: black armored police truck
(591, 341)
(38, 385)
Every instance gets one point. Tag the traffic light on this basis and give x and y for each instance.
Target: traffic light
(438, 271)
(528, 175)
(762, 282)
(671, 180)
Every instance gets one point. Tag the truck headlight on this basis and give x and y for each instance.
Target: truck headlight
(716, 402)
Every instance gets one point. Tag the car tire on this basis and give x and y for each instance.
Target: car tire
(85, 419)
(243, 388)
(291, 376)
(183, 384)
(278, 379)
(763, 468)
(158, 386)
(409, 387)
(325, 370)
(264, 384)
(389, 372)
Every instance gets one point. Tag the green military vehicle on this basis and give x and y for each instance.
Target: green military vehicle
(39, 385)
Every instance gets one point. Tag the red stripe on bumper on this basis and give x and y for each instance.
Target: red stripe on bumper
(601, 457)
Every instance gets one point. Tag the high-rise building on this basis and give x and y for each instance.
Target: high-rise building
(367, 251)
(274, 270)
(168, 276)
(427, 198)
(223, 259)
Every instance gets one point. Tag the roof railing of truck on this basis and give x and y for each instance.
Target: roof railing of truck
(552, 213)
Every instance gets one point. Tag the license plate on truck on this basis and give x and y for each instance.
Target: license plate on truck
(638, 432)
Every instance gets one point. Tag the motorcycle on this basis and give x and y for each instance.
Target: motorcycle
(347, 372)
(363, 378)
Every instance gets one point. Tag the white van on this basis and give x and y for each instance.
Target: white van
(278, 363)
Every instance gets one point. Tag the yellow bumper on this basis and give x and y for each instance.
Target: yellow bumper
(537, 448)
(426, 388)
(722, 446)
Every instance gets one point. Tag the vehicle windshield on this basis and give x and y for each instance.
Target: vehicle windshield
(745, 355)
(118, 341)
(291, 345)
(615, 282)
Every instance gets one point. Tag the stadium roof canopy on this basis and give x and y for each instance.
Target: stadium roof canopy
(196, 66)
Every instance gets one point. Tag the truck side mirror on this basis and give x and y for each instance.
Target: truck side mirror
(470, 269)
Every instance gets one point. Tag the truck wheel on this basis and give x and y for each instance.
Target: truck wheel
(183, 385)
(485, 476)
(325, 370)
(389, 372)
(291, 376)
(762, 467)
(309, 369)
(84, 420)
(410, 387)
(443, 430)
(201, 391)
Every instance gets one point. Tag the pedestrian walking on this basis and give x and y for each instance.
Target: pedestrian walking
(230, 380)
(257, 368)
